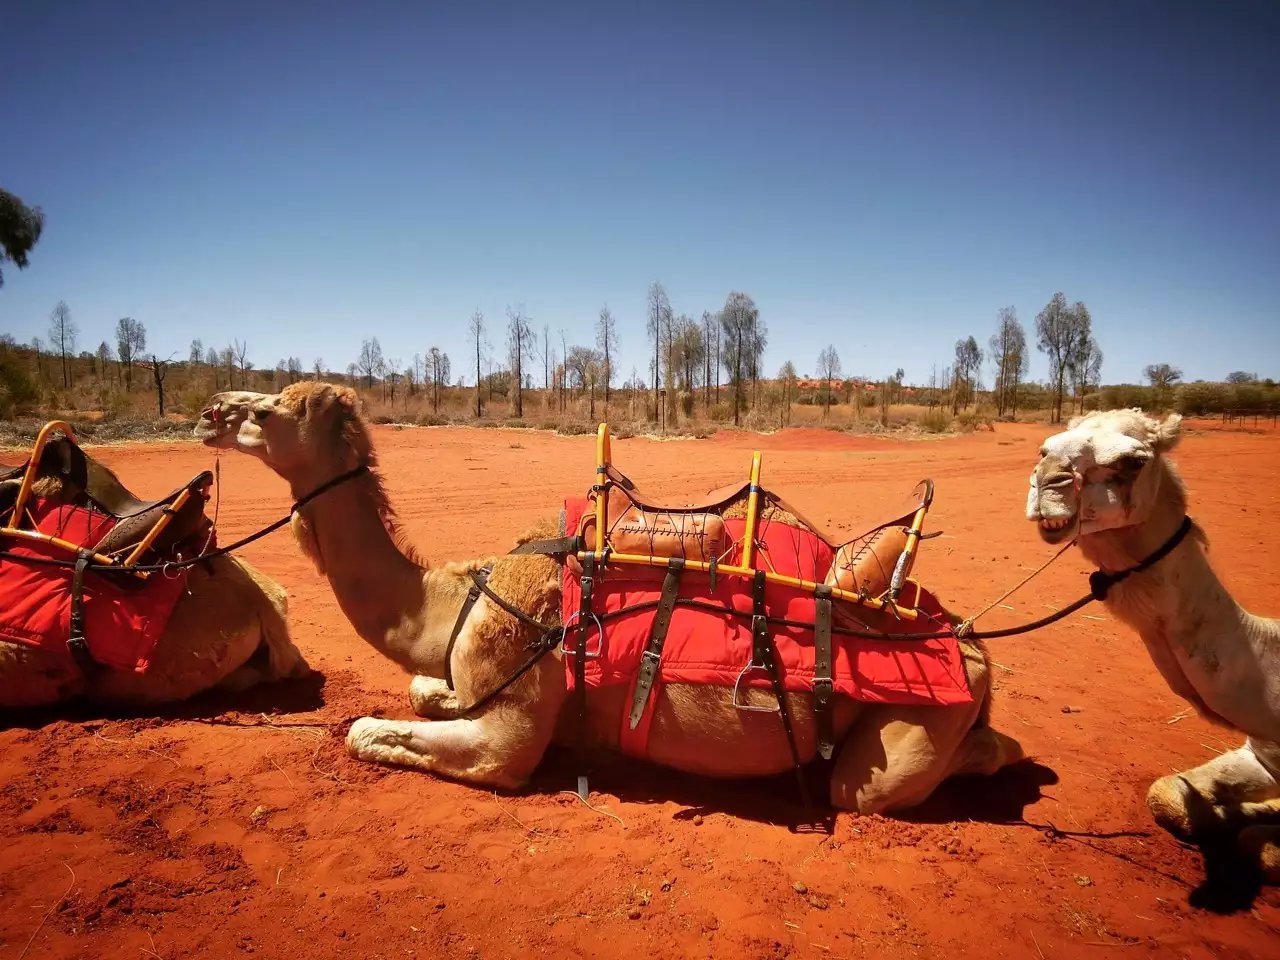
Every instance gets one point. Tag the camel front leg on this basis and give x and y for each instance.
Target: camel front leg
(1226, 791)
(431, 697)
(498, 749)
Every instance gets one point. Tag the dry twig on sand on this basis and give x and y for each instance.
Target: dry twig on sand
(48, 913)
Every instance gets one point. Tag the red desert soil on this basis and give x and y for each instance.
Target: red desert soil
(177, 837)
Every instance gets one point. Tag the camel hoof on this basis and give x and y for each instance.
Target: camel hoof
(370, 738)
(1260, 845)
(1169, 800)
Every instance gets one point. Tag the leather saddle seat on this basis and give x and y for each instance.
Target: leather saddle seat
(88, 483)
(641, 524)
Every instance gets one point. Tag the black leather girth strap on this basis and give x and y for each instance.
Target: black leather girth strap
(585, 618)
(473, 594)
(764, 655)
(76, 641)
(823, 685)
(652, 656)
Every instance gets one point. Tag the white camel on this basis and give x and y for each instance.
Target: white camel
(1107, 481)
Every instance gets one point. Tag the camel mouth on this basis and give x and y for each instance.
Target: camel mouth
(1055, 530)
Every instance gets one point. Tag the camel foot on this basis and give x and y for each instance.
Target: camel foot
(459, 749)
(1179, 809)
(1260, 846)
(432, 698)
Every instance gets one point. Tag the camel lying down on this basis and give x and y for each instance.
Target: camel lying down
(228, 629)
(1106, 480)
(889, 758)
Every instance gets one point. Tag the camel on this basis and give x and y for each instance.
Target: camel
(891, 757)
(1108, 482)
(227, 632)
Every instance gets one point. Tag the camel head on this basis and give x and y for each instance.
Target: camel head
(1102, 473)
(305, 428)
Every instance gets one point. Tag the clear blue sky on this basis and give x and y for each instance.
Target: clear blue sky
(882, 176)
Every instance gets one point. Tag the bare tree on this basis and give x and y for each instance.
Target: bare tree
(690, 353)
(159, 370)
(967, 364)
(131, 340)
(1162, 377)
(520, 345)
(438, 374)
(1238, 377)
(1062, 333)
(104, 357)
(196, 354)
(241, 350)
(476, 328)
(787, 383)
(1092, 370)
(743, 343)
(295, 369)
(710, 332)
(586, 365)
(547, 362)
(1009, 355)
(369, 362)
(317, 369)
(607, 344)
(227, 359)
(62, 337)
(657, 323)
(828, 370)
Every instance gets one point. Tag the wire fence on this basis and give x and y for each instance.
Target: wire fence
(1256, 417)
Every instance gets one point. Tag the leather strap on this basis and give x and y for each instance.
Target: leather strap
(557, 547)
(77, 644)
(580, 668)
(478, 579)
(823, 684)
(652, 655)
(764, 655)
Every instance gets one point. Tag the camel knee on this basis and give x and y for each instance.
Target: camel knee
(452, 748)
(432, 698)
(986, 751)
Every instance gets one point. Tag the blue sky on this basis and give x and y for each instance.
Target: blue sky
(880, 176)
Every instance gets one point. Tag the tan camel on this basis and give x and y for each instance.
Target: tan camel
(892, 757)
(227, 632)
(1107, 480)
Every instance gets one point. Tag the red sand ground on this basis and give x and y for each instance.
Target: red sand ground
(177, 837)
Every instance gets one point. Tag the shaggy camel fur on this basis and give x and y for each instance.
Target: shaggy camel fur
(228, 631)
(892, 757)
(1107, 481)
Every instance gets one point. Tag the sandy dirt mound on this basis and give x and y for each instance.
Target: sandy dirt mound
(240, 827)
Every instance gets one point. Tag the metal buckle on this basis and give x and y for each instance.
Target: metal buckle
(737, 684)
(573, 651)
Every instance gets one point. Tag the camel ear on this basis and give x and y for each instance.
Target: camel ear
(1168, 433)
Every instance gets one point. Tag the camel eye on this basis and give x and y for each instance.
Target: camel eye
(1130, 464)
(262, 414)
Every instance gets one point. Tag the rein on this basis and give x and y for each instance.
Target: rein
(173, 565)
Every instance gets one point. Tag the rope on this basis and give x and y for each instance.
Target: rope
(966, 625)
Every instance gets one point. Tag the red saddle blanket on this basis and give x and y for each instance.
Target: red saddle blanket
(124, 616)
(707, 647)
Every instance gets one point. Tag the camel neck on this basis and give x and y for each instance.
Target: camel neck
(1197, 635)
(381, 591)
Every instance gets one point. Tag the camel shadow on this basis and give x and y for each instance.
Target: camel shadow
(1000, 798)
(283, 697)
(775, 800)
